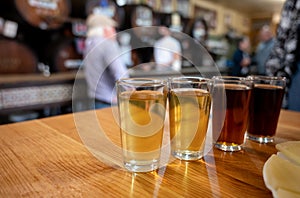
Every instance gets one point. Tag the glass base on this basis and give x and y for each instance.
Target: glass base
(228, 146)
(188, 155)
(141, 166)
(260, 139)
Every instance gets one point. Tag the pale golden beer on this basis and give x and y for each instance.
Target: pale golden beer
(142, 115)
(189, 110)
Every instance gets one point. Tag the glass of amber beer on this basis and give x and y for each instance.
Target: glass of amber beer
(230, 111)
(189, 109)
(142, 108)
(265, 106)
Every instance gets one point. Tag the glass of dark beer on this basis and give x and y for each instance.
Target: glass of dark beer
(230, 111)
(265, 106)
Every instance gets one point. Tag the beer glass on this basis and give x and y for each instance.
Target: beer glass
(142, 107)
(230, 111)
(189, 109)
(265, 106)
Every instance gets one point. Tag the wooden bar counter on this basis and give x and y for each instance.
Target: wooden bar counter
(51, 157)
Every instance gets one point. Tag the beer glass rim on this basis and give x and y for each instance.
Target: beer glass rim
(141, 81)
(188, 79)
(272, 80)
(261, 77)
(229, 78)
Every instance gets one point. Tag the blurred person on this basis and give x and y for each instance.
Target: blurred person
(125, 47)
(167, 51)
(103, 63)
(263, 49)
(284, 59)
(241, 58)
(199, 31)
(231, 37)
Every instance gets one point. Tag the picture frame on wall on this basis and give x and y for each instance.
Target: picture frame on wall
(209, 15)
(152, 4)
(183, 7)
(166, 6)
(227, 19)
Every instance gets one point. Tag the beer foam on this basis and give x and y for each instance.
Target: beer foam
(236, 86)
(190, 91)
(267, 86)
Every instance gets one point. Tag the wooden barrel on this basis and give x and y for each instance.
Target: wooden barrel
(138, 15)
(50, 14)
(63, 55)
(16, 57)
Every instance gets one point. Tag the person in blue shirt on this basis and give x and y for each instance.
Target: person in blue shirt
(241, 59)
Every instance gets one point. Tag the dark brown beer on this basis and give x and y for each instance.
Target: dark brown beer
(264, 109)
(236, 111)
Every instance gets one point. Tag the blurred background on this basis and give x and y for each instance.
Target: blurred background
(42, 43)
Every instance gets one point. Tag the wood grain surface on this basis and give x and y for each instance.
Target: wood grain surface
(58, 157)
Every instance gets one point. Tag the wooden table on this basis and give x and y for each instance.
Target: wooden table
(47, 158)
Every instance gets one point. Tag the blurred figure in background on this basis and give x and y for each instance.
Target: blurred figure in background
(199, 31)
(263, 49)
(241, 58)
(284, 59)
(103, 63)
(232, 38)
(125, 47)
(167, 51)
